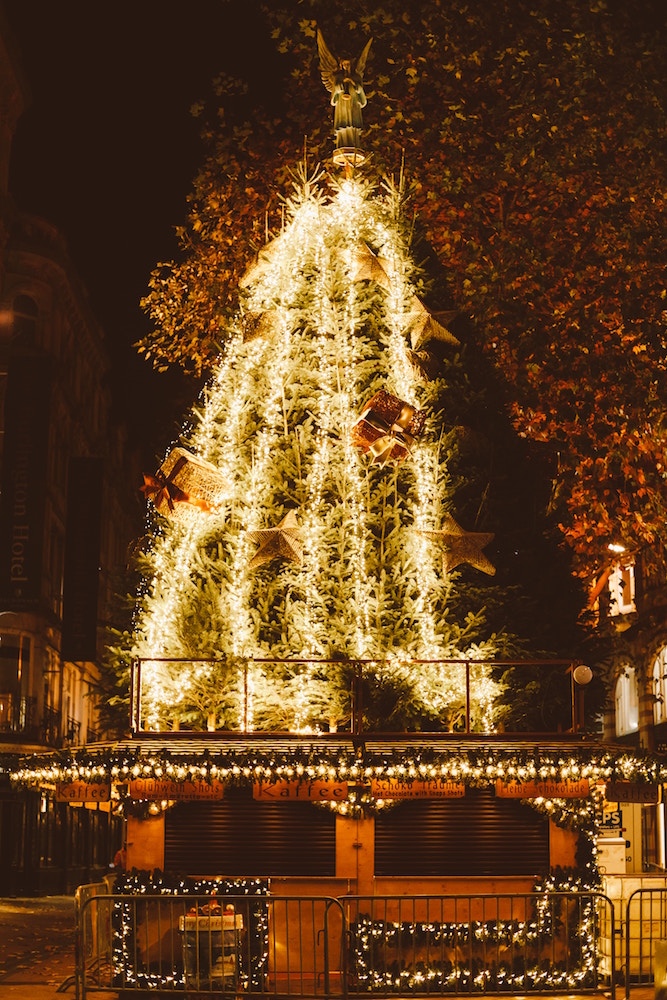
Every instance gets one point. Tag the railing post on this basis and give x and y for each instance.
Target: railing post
(612, 974)
(136, 694)
(133, 668)
(327, 986)
(78, 946)
(357, 708)
(245, 697)
(467, 696)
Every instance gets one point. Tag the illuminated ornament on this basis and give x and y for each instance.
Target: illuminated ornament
(367, 266)
(344, 81)
(264, 324)
(185, 483)
(387, 428)
(281, 542)
(427, 326)
(459, 546)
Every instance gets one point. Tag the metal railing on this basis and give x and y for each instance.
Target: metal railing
(645, 925)
(51, 728)
(544, 942)
(17, 713)
(73, 731)
(256, 944)
(310, 947)
(358, 670)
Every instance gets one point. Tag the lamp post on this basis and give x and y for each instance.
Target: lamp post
(580, 676)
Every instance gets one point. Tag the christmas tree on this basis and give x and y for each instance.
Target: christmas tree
(316, 520)
(318, 532)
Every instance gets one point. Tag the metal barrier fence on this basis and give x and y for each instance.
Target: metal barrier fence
(255, 944)
(534, 942)
(311, 947)
(645, 937)
(93, 927)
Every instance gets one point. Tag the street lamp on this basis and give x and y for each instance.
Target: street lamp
(580, 676)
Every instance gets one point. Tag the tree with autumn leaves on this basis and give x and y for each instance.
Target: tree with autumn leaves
(533, 136)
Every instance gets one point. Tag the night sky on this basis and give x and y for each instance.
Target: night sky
(108, 150)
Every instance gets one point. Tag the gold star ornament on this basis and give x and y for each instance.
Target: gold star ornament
(459, 546)
(367, 266)
(266, 325)
(429, 326)
(281, 542)
(262, 263)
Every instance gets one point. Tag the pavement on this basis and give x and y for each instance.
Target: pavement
(37, 954)
(37, 948)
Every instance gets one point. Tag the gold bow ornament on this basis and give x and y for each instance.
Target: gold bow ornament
(387, 428)
(184, 482)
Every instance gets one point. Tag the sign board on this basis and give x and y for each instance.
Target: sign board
(23, 488)
(157, 789)
(630, 791)
(396, 788)
(303, 791)
(223, 922)
(83, 791)
(542, 789)
(612, 819)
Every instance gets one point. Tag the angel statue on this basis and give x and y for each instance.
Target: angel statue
(344, 83)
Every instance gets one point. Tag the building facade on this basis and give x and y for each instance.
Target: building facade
(66, 517)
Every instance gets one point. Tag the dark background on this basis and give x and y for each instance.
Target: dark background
(108, 150)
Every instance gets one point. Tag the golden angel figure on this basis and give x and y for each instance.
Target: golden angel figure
(345, 84)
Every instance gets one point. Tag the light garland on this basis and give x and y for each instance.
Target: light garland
(451, 956)
(129, 972)
(420, 955)
(474, 767)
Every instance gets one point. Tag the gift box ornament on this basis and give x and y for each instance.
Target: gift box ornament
(387, 428)
(183, 484)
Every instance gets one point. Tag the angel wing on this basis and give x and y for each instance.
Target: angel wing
(329, 65)
(361, 61)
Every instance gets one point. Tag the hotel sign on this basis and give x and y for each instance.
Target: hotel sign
(83, 791)
(302, 791)
(397, 788)
(157, 789)
(543, 789)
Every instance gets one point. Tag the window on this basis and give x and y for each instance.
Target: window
(626, 702)
(15, 706)
(622, 589)
(659, 676)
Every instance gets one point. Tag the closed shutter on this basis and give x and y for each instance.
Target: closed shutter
(241, 836)
(478, 834)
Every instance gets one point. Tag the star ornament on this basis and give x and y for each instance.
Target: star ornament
(367, 266)
(281, 542)
(261, 325)
(262, 263)
(427, 326)
(459, 546)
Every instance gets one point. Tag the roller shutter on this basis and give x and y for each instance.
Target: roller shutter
(240, 836)
(475, 835)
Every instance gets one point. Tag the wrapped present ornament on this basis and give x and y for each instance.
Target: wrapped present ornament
(185, 483)
(387, 428)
